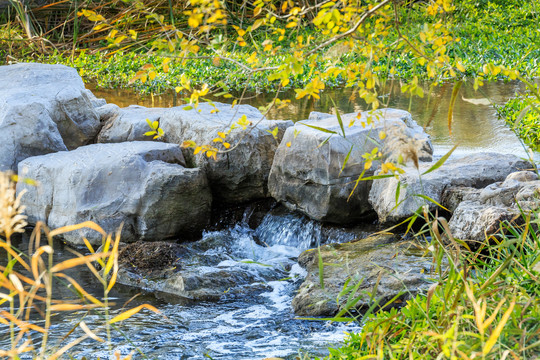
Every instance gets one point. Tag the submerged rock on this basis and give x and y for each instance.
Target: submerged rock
(142, 185)
(308, 173)
(43, 109)
(237, 176)
(397, 266)
(208, 269)
(480, 216)
(476, 171)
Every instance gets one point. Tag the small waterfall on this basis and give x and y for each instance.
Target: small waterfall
(298, 231)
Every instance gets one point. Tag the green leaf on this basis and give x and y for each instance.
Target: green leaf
(319, 128)
(427, 198)
(398, 190)
(375, 177)
(338, 118)
(324, 142)
(321, 268)
(455, 92)
(346, 159)
(336, 319)
(440, 162)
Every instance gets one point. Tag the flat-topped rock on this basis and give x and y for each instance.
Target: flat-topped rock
(43, 109)
(142, 185)
(398, 266)
(476, 171)
(308, 173)
(239, 175)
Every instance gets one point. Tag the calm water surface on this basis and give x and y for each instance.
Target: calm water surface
(475, 126)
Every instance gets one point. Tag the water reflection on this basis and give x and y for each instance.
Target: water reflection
(475, 125)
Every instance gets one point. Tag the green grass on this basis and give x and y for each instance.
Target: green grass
(486, 305)
(522, 114)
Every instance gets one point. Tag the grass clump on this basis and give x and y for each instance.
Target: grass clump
(29, 286)
(486, 305)
(522, 115)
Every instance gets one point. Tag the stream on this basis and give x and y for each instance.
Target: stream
(256, 321)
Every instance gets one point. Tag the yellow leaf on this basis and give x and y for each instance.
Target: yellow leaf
(87, 224)
(72, 307)
(497, 332)
(226, 145)
(129, 313)
(382, 135)
(291, 24)
(67, 264)
(197, 150)
(89, 332)
(288, 144)
(152, 75)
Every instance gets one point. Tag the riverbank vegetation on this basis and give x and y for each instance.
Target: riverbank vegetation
(36, 289)
(113, 51)
(484, 303)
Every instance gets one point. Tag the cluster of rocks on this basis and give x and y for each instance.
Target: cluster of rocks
(93, 162)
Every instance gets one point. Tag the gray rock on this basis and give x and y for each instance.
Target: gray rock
(128, 124)
(477, 171)
(315, 115)
(400, 266)
(107, 112)
(239, 175)
(143, 185)
(207, 269)
(481, 215)
(308, 173)
(43, 109)
(454, 195)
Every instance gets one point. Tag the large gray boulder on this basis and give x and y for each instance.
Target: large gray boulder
(308, 173)
(480, 216)
(43, 109)
(399, 266)
(476, 171)
(143, 185)
(238, 175)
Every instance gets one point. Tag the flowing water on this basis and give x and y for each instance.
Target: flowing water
(252, 321)
(256, 321)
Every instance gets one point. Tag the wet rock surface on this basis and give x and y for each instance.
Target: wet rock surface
(308, 173)
(398, 266)
(43, 109)
(481, 215)
(143, 185)
(473, 171)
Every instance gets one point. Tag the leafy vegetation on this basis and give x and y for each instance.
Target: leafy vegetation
(522, 114)
(29, 284)
(484, 304)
